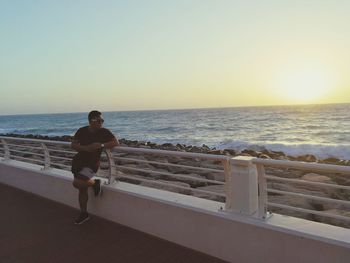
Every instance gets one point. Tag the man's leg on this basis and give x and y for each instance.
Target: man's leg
(83, 186)
(83, 199)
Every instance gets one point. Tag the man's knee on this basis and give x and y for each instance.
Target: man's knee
(79, 184)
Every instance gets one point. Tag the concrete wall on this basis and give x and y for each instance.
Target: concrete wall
(192, 222)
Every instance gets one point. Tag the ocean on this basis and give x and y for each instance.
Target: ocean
(321, 130)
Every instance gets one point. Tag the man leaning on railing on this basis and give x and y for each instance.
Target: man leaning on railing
(89, 141)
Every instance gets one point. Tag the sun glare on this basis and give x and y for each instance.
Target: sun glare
(305, 85)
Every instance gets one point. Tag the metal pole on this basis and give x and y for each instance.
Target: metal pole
(112, 169)
(47, 160)
(262, 212)
(7, 150)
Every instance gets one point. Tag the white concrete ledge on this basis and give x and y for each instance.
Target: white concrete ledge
(192, 222)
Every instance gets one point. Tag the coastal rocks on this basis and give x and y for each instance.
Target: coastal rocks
(219, 189)
(331, 161)
(302, 158)
(284, 172)
(216, 152)
(290, 201)
(177, 187)
(264, 156)
(229, 152)
(249, 153)
(159, 171)
(312, 177)
(334, 221)
(263, 153)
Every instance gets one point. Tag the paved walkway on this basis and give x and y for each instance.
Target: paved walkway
(34, 229)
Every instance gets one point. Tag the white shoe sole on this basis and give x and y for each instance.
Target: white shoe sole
(81, 222)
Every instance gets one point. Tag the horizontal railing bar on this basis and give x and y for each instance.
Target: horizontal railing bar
(276, 178)
(298, 209)
(170, 164)
(31, 153)
(173, 153)
(194, 190)
(303, 165)
(24, 158)
(25, 146)
(34, 140)
(318, 198)
(135, 150)
(63, 165)
(60, 151)
(61, 158)
(171, 175)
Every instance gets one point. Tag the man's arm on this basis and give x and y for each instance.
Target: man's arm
(79, 148)
(111, 144)
(85, 148)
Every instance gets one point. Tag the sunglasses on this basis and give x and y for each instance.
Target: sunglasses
(98, 120)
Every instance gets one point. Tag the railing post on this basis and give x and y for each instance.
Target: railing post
(112, 169)
(262, 184)
(7, 150)
(47, 160)
(242, 187)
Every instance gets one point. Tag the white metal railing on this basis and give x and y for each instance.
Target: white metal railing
(331, 170)
(57, 154)
(244, 182)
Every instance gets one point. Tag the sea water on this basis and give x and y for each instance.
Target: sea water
(322, 130)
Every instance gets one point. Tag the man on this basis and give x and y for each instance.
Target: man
(89, 141)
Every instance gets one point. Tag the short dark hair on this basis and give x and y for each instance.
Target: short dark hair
(94, 114)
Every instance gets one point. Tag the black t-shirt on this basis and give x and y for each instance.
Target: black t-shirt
(90, 159)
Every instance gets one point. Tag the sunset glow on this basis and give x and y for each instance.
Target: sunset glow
(305, 84)
(69, 56)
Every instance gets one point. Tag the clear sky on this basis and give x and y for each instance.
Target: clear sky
(69, 56)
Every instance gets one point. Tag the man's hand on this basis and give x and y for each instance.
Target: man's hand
(86, 148)
(93, 147)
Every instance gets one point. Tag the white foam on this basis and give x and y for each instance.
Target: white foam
(321, 151)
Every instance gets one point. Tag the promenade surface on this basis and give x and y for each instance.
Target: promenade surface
(35, 229)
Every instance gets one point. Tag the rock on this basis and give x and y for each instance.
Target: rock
(278, 153)
(150, 144)
(264, 156)
(331, 160)
(216, 176)
(181, 147)
(229, 152)
(220, 189)
(144, 146)
(312, 177)
(205, 148)
(271, 154)
(196, 149)
(291, 201)
(191, 179)
(284, 172)
(169, 147)
(306, 158)
(249, 153)
(217, 152)
(333, 221)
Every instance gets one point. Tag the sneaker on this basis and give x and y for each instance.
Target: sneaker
(83, 217)
(97, 187)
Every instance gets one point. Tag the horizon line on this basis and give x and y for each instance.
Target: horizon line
(179, 109)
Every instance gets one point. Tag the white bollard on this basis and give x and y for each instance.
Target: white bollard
(242, 187)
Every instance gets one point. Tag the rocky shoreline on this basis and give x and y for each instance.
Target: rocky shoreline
(163, 172)
(265, 154)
